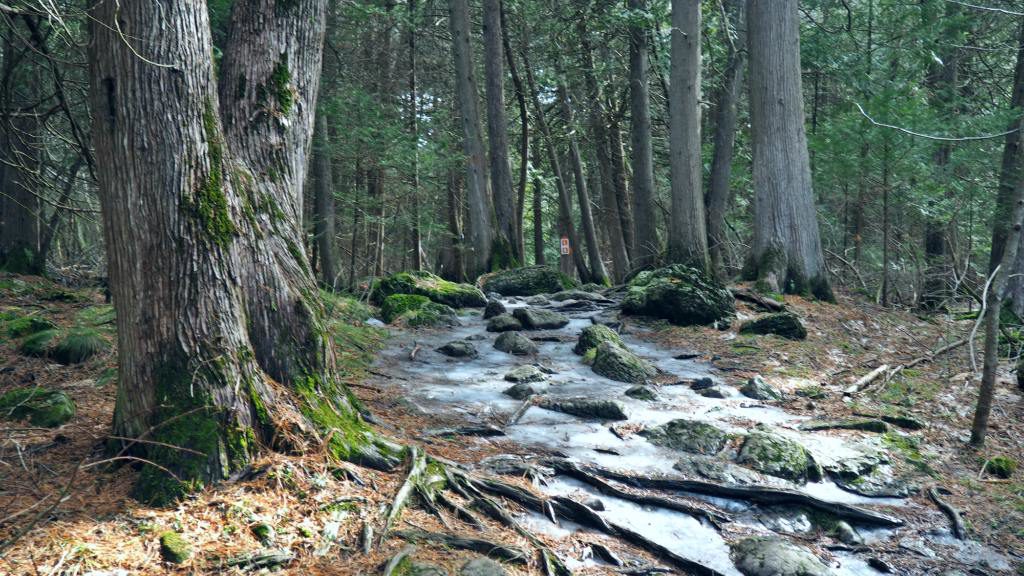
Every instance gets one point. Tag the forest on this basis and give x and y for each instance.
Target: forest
(511, 287)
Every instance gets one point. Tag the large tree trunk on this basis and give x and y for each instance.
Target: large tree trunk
(477, 191)
(324, 219)
(207, 361)
(725, 137)
(687, 236)
(787, 254)
(647, 250)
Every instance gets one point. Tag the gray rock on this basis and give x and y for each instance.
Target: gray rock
(578, 295)
(493, 308)
(482, 567)
(520, 391)
(615, 362)
(641, 392)
(536, 319)
(691, 436)
(515, 343)
(721, 471)
(424, 569)
(774, 556)
(702, 383)
(862, 424)
(504, 323)
(586, 408)
(679, 294)
(458, 349)
(758, 389)
(526, 281)
(713, 392)
(876, 484)
(781, 457)
(525, 374)
(537, 300)
(847, 535)
(493, 296)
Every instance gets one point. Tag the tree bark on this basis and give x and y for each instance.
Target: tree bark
(687, 238)
(416, 240)
(647, 250)
(620, 178)
(538, 210)
(524, 136)
(787, 254)
(477, 190)
(324, 219)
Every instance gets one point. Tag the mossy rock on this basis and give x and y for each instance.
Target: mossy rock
(515, 343)
(458, 349)
(494, 308)
(432, 286)
(758, 389)
(615, 362)
(591, 336)
(26, 325)
(504, 323)
(528, 281)
(41, 407)
(1001, 466)
(777, 456)
(691, 436)
(417, 311)
(79, 345)
(641, 392)
(525, 374)
(862, 424)
(783, 324)
(537, 319)
(586, 407)
(40, 343)
(174, 548)
(775, 556)
(682, 295)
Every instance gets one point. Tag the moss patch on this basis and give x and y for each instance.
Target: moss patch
(174, 548)
(44, 408)
(429, 285)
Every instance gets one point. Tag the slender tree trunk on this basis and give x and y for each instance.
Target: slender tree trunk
(524, 136)
(597, 271)
(725, 137)
(324, 220)
(357, 211)
(478, 193)
(620, 178)
(687, 238)
(648, 248)
(787, 254)
(538, 210)
(416, 244)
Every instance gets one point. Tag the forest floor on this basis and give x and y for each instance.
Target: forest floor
(70, 511)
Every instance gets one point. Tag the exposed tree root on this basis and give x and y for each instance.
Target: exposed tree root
(485, 547)
(955, 519)
(395, 565)
(419, 465)
(757, 299)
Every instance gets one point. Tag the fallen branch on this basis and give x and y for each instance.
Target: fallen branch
(865, 380)
(957, 521)
(257, 560)
(485, 547)
(518, 414)
(755, 298)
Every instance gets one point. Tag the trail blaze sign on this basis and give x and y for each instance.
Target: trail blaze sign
(566, 250)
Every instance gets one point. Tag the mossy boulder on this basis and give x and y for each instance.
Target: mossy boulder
(641, 392)
(528, 281)
(679, 294)
(591, 336)
(537, 319)
(515, 343)
(41, 407)
(504, 323)
(174, 548)
(691, 436)
(525, 374)
(783, 324)
(758, 389)
(493, 308)
(26, 325)
(862, 424)
(777, 456)
(580, 295)
(430, 285)
(520, 391)
(458, 349)
(615, 362)
(775, 556)
(417, 311)
(1001, 466)
(79, 345)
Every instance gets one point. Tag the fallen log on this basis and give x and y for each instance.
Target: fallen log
(865, 380)
(478, 545)
(955, 519)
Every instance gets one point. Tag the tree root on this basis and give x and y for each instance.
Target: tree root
(485, 547)
(955, 519)
(395, 565)
(419, 465)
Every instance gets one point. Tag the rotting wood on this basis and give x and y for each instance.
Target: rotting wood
(955, 519)
(478, 545)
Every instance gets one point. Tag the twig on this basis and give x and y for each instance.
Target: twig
(933, 137)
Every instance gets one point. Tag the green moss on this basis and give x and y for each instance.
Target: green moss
(78, 345)
(210, 203)
(682, 295)
(39, 344)
(1001, 466)
(589, 355)
(426, 284)
(398, 304)
(45, 408)
(591, 336)
(96, 316)
(527, 281)
(25, 325)
(280, 85)
(174, 548)
(784, 324)
(263, 532)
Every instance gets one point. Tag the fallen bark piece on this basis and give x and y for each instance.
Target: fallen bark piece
(955, 519)
(485, 547)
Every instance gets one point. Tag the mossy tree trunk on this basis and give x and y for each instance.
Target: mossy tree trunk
(222, 346)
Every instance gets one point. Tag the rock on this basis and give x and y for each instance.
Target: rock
(691, 436)
(862, 424)
(876, 484)
(642, 393)
(581, 295)
(515, 343)
(774, 556)
(526, 281)
(493, 308)
(593, 503)
(847, 535)
(777, 456)
(702, 383)
(417, 311)
(615, 362)
(679, 294)
(525, 374)
(482, 567)
(504, 323)
(458, 349)
(609, 318)
(758, 389)
(424, 569)
(432, 286)
(535, 319)
(586, 408)
(593, 335)
(578, 306)
(537, 300)
(19, 326)
(41, 407)
(714, 392)
(520, 391)
(721, 471)
(903, 421)
(174, 548)
(784, 324)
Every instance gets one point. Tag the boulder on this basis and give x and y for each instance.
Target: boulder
(493, 308)
(525, 374)
(774, 556)
(679, 294)
(691, 436)
(430, 285)
(581, 295)
(586, 408)
(482, 567)
(777, 456)
(702, 383)
(716, 392)
(520, 391)
(877, 483)
(641, 392)
(458, 349)
(593, 335)
(417, 311)
(721, 471)
(538, 300)
(536, 319)
(41, 407)
(784, 324)
(526, 281)
(862, 424)
(515, 343)
(847, 535)
(504, 323)
(758, 389)
(616, 363)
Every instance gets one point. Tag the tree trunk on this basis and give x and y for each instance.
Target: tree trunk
(787, 254)
(687, 237)
(477, 190)
(725, 137)
(620, 178)
(206, 362)
(524, 137)
(647, 250)
(538, 210)
(324, 219)
(416, 240)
